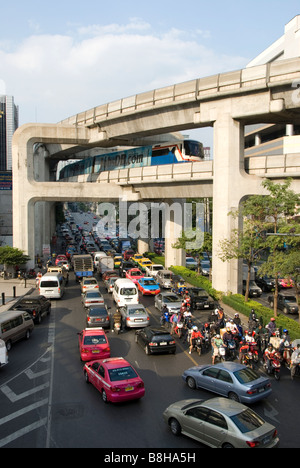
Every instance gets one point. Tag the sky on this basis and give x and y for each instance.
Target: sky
(63, 57)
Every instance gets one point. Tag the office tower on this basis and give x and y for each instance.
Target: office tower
(9, 119)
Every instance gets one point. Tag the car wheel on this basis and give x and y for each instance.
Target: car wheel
(227, 445)
(27, 335)
(104, 396)
(233, 396)
(147, 350)
(175, 427)
(86, 377)
(191, 383)
(285, 311)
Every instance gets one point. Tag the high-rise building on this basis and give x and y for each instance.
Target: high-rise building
(9, 121)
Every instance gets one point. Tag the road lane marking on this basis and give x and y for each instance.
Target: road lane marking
(23, 411)
(13, 397)
(25, 430)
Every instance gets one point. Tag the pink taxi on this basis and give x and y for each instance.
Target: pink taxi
(115, 378)
(134, 275)
(93, 344)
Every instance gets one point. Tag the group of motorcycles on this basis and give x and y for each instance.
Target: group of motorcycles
(252, 349)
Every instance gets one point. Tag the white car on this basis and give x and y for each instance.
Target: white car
(88, 284)
(153, 269)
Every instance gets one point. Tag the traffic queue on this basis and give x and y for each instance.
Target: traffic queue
(231, 356)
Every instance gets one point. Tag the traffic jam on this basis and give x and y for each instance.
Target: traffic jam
(240, 363)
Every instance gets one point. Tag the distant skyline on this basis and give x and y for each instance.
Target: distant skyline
(63, 57)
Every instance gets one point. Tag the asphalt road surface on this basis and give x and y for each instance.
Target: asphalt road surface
(45, 402)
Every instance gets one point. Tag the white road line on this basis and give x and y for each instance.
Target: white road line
(23, 411)
(13, 397)
(25, 430)
(33, 375)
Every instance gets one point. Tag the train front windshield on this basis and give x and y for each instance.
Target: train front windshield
(193, 148)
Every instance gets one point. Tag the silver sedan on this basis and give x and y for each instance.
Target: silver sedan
(220, 423)
(135, 316)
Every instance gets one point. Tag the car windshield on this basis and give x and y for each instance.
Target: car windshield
(135, 273)
(200, 293)
(122, 373)
(171, 299)
(128, 291)
(91, 294)
(290, 298)
(94, 339)
(136, 312)
(246, 375)
(161, 337)
(247, 421)
(97, 312)
(149, 282)
(167, 276)
(90, 281)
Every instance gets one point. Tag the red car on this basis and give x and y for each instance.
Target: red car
(93, 344)
(128, 254)
(134, 275)
(115, 378)
(60, 258)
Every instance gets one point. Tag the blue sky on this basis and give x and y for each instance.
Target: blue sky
(58, 58)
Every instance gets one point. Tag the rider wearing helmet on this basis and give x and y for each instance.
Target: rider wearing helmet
(195, 334)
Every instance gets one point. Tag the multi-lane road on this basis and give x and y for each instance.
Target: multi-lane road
(45, 402)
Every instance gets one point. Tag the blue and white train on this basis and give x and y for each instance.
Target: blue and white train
(170, 153)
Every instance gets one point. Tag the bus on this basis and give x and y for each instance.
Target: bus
(169, 153)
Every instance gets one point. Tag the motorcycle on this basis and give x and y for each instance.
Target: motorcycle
(247, 356)
(231, 349)
(198, 345)
(221, 353)
(117, 326)
(275, 365)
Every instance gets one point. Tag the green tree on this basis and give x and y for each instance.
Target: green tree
(11, 256)
(269, 224)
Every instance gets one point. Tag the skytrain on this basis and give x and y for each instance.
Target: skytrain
(170, 153)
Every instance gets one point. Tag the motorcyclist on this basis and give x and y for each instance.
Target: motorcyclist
(165, 318)
(268, 354)
(216, 343)
(117, 318)
(194, 335)
(271, 327)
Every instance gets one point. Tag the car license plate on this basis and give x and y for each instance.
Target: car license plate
(206, 306)
(128, 389)
(163, 343)
(267, 440)
(260, 390)
(95, 351)
(138, 320)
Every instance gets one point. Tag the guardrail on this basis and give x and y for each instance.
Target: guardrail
(212, 87)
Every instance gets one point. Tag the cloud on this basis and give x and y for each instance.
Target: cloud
(55, 76)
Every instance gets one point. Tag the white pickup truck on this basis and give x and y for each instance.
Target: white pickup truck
(153, 269)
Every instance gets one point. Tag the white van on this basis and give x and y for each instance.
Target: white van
(97, 257)
(125, 292)
(52, 285)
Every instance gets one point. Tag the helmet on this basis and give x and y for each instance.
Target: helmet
(285, 330)
(218, 336)
(195, 328)
(272, 319)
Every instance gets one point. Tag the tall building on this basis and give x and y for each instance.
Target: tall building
(9, 121)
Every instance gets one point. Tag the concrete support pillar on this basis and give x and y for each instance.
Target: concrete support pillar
(228, 190)
(143, 246)
(174, 222)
